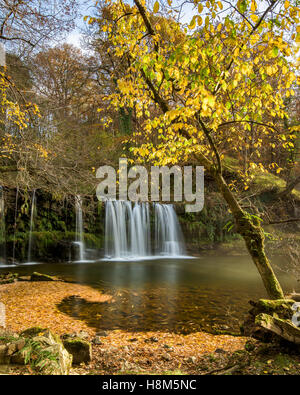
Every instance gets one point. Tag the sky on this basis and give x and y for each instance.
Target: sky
(85, 9)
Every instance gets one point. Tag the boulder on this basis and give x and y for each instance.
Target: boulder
(34, 331)
(80, 349)
(51, 357)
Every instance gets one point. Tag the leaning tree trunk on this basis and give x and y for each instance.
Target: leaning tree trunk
(253, 235)
(246, 227)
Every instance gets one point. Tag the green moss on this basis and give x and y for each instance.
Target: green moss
(41, 277)
(283, 361)
(271, 306)
(80, 349)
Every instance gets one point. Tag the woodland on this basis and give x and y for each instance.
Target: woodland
(84, 83)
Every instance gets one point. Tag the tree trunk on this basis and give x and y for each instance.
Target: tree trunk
(253, 235)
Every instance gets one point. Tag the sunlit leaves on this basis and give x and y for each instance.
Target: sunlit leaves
(220, 70)
(156, 7)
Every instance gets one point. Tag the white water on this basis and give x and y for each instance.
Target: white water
(33, 204)
(2, 229)
(169, 239)
(79, 238)
(128, 231)
(15, 225)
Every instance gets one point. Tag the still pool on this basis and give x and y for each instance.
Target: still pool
(178, 295)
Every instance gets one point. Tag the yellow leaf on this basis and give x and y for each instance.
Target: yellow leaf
(199, 20)
(156, 7)
(254, 18)
(253, 6)
(286, 4)
(193, 23)
(200, 8)
(236, 52)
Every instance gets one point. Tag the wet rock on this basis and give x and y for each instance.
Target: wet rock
(41, 277)
(80, 349)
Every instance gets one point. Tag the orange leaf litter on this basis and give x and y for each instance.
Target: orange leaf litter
(31, 304)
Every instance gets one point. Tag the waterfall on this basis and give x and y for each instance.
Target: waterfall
(15, 224)
(32, 215)
(168, 235)
(79, 239)
(2, 228)
(128, 231)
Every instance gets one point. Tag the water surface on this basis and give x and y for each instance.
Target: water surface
(179, 295)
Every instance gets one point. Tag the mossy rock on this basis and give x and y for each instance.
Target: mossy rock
(34, 331)
(280, 307)
(41, 277)
(8, 278)
(80, 349)
(45, 351)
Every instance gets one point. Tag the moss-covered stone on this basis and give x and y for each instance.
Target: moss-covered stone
(41, 277)
(45, 351)
(80, 349)
(34, 331)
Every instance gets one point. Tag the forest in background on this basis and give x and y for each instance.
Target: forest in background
(70, 111)
(210, 83)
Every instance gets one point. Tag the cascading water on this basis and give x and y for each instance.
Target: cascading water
(79, 240)
(128, 231)
(32, 215)
(15, 225)
(168, 236)
(2, 229)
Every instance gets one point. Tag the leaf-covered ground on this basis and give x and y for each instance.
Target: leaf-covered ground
(124, 352)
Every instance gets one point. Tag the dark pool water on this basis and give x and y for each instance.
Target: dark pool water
(178, 295)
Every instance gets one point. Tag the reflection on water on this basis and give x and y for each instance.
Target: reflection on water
(210, 293)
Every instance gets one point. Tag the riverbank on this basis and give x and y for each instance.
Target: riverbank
(31, 304)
